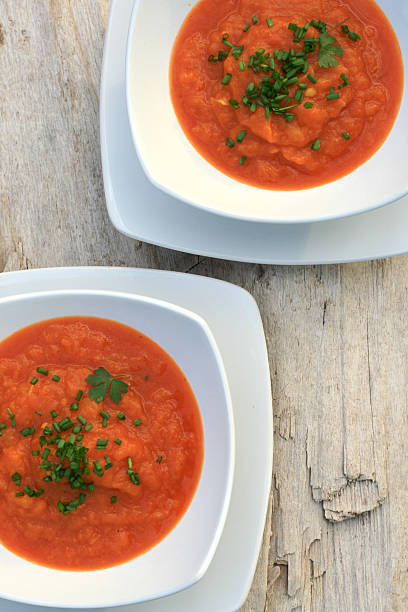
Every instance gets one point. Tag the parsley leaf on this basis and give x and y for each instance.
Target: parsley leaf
(101, 381)
(328, 50)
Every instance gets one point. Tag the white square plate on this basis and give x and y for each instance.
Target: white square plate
(141, 211)
(234, 319)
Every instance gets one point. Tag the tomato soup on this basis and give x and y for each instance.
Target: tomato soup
(286, 94)
(101, 445)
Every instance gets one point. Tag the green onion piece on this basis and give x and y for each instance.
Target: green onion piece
(137, 422)
(346, 135)
(98, 469)
(269, 23)
(27, 431)
(45, 453)
(118, 441)
(12, 417)
(56, 378)
(42, 371)
(34, 381)
(113, 499)
(316, 145)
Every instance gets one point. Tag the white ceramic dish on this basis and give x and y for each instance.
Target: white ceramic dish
(141, 211)
(183, 556)
(225, 307)
(173, 165)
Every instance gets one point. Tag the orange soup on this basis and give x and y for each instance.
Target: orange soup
(101, 444)
(286, 94)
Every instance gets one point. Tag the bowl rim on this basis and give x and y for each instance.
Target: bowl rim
(211, 546)
(259, 218)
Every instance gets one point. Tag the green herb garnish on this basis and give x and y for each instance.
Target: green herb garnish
(102, 382)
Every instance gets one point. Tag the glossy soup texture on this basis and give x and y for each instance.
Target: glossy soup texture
(165, 445)
(322, 141)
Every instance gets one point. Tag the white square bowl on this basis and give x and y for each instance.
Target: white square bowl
(183, 556)
(173, 165)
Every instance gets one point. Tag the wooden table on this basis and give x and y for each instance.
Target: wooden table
(337, 530)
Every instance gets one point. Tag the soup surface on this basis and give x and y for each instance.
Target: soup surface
(101, 444)
(286, 94)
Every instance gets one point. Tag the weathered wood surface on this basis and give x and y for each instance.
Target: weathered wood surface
(337, 533)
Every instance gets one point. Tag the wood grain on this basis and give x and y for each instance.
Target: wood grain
(337, 531)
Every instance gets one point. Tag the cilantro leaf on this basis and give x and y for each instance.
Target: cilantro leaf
(101, 381)
(328, 50)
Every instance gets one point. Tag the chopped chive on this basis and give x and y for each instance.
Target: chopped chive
(311, 78)
(230, 143)
(79, 395)
(159, 459)
(254, 19)
(316, 145)
(269, 23)
(227, 43)
(101, 443)
(98, 469)
(241, 136)
(302, 86)
(88, 427)
(113, 499)
(35, 453)
(104, 414)
(3, 427)
(20, 494)
(54, 414)
(118, 441)
(242, 160)
(81, 420)
(47, 431)
(34, 381)
(246, 28)
(234, 104)
(56, 378)
(91, 487)
(120, 416)
(346, 135)
(71, 438)
(16, 477)
(308, 105)
(77, 429)
(56, 427)
(37, 412)
(226, 79)
(80, 437)
(42, 371)
(30, 492)
(137, 422)
(74, 406)
(241, 67)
